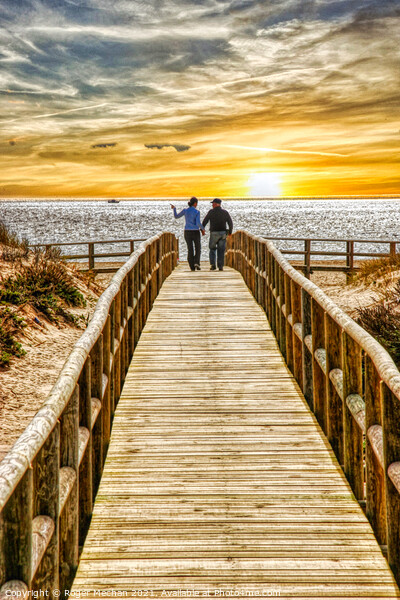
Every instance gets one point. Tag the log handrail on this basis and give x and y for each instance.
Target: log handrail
(91, 254)
(49, 478)
(348, 379)
(313, 239)
(349, 254)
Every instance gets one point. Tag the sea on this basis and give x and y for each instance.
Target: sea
(46, 221)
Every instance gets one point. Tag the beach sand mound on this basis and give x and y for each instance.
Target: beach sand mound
(27, 381)
(348, 297)
(357, 295)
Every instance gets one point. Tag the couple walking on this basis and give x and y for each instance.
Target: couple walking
(220, 226)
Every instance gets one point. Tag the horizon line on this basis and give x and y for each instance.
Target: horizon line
(184, 197)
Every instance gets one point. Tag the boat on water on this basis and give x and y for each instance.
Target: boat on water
(113, 201)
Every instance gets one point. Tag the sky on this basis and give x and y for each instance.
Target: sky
(225, 98)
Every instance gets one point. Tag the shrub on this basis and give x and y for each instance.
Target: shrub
(43, 281)
(46, 284)
(10, 323)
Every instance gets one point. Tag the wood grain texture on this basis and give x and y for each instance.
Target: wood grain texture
(218, 476)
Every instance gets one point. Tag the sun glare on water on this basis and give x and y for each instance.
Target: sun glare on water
(264, 184)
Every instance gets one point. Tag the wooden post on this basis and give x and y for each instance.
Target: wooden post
(122, 338)
(235, 263)
(282, 319)
(143, 287)
(349, 260)
(257, 271)
(127, 324)
(111, 383)
(91, 256)
(272, 297)
(141, 290)
(392, 249)
(375, 479)
(169, 254)
(278, 312)
(147, 276)
(136, 302)
(130, 317)
(306, 354)
(230, 252)
(69, 517)
(276, 301)
(248, 261)
(176, 251)
(46, 502)
(85, 468)
(318, 375)
(297, 343)
(333, 400)
(153, 273)
(269, 288)
(160, 277)
(101, 431)
(138, 285)
(240, 252)
(253, 265)
(16, 532)
(132, 246)
(353, 436)
(307, 258)
(150, 278)
(246, 258)
(124, 322)
(118, 347)
(108, 399)
(263, 290)
(391, 454)
(288, 333)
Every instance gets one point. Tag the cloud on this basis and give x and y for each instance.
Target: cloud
(109, 145)
(258, 149)
(299, 74)
(62, 112)
(178, 147)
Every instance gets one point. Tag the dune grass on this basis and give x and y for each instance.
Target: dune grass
(10, 326)
(40, 279)
(377, 269)
(382, 319)
(13, 248)
(46, 284)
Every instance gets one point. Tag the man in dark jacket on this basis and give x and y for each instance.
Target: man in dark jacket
(220, 226)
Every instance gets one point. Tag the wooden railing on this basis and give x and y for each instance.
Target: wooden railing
(348, 380)
(92, 255)
(49, 478)
(348, 254)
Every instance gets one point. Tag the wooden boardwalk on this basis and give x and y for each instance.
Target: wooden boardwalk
(218, 477)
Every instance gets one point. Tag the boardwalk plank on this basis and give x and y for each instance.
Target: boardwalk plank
(218, 478)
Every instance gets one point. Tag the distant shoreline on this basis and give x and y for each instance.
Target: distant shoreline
(203, 198)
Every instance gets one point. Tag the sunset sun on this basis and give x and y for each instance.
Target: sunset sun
(264, 184)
